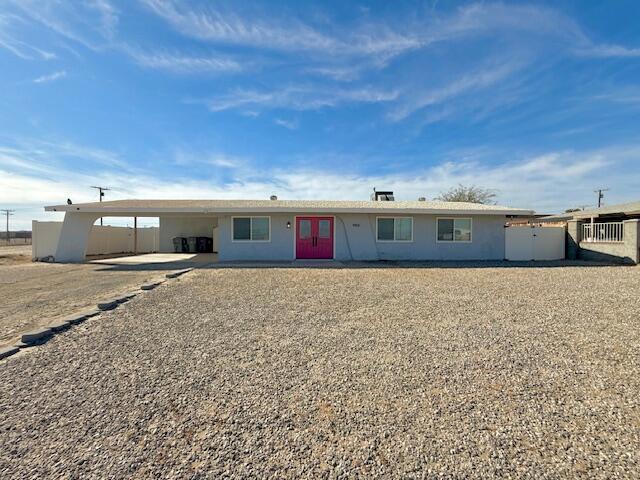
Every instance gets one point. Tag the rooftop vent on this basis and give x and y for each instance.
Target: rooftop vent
(273, 197)
(382, 196)
(422, 199)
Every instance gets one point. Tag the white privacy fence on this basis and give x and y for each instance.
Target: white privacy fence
(603, 232)
(534, 243)
(102, 240)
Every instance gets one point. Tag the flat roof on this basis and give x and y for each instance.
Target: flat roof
(158, 207)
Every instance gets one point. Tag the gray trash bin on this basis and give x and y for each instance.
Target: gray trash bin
(193, 244)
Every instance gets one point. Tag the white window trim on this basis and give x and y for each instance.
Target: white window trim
(454, 228)
(394, 230)
(251, 217)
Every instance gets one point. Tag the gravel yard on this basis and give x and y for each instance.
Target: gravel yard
(313, 373)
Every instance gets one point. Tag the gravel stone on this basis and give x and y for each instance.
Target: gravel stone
(451, 371)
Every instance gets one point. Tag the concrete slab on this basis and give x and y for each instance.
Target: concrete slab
(177, 273)
(76, 319)
(149, 286)
(60, 325)
(108, 305)
(164, 259)
(8, 351)
(36, 336)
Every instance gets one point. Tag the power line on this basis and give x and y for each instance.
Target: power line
(600, 193)
(101, 191)
(8, 213)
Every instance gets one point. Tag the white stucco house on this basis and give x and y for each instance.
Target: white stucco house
(285, 230)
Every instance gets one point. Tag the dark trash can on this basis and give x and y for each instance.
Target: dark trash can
(192, 241)
(178, 243)
(205, 245)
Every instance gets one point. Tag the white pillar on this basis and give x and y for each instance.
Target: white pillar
(74, 236)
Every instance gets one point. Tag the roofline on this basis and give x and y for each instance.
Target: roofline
(155, 211)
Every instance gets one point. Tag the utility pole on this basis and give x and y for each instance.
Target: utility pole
(8, 213)
(101, 190)
(600, 195)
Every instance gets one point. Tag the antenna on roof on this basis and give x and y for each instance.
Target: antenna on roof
(600, 195)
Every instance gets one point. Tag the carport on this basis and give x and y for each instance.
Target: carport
(188, 219)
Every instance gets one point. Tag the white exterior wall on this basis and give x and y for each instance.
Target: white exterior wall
(101, 239)
(185, 226)
(355, 239)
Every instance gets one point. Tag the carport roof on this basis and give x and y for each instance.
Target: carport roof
(620, 210)
(159, 207)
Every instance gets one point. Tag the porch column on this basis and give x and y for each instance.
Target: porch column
(574, 233)
(631, 238)
(72, 244)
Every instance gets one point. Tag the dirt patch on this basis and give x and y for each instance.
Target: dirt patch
(33, 294)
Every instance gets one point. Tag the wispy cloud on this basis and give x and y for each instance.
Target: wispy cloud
(288, 124)
(483, 78)
(608, 51)
(290, 34)
(51, 77)
(91, 24)
(180, 63)
(298, 98)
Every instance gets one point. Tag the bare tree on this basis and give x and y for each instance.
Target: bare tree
(471, 194)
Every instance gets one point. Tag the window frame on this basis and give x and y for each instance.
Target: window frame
(453, 240)
(250, 240)
(394, 229)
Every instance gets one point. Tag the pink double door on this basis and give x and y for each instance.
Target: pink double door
(314, 237)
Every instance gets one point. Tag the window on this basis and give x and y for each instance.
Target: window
(454, 229)
(395, 229)
(251, 229)
(324, 229)
(305, 229)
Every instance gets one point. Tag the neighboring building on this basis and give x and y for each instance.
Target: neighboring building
(610, 233)
(277, 230)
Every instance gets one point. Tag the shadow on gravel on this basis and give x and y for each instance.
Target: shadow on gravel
(365, 265)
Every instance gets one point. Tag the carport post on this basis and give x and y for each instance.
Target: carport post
(135, 235)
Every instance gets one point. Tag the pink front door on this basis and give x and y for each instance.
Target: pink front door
(314, 237)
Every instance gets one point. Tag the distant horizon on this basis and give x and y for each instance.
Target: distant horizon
(539, 102)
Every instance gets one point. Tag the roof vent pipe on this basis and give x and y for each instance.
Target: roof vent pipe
(422, 199)
(273, 197)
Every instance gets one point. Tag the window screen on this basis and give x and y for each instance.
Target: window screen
(454, 229)
(399, 229)
(251, 228)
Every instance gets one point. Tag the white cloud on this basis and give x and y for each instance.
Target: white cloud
(298, 98)
(608, 51)
(180, 63)
(288, 124)
(51, 77)
(547, 183)
(486, 77)
(287, 34)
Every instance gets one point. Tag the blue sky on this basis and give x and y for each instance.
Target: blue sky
(173, 99)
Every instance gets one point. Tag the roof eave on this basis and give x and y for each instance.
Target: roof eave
(225, 210)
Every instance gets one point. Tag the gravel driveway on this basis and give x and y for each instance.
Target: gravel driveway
(322, 373)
